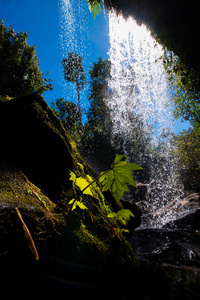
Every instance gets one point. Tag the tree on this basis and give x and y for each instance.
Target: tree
(19, 65)
(98, 113)
(185, 82)
(97, 131)
(67, 112)
(99, 139)
(187, 157)
(74, 72)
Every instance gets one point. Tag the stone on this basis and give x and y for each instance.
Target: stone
(80, 252)
(169, 263)
(180, 213)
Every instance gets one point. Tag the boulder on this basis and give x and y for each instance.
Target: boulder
(46, 249)
(180, 213)
(169, 263)
(34, 141)
(167, 247)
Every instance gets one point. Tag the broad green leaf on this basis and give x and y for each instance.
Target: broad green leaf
(119, 176)
(122, 216)
(82, 183)
(119, 159)
(125, 215)
(106, 180)
(112, 215)
(77, 203)
(72, 177)
(81, 205)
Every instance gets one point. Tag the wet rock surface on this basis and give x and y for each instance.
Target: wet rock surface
(167, 245)
(81, 253)
(177, 247)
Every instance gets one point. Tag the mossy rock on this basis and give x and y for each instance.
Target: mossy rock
(82, 248)
(40, 214)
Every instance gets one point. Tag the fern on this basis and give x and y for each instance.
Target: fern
(95, 6)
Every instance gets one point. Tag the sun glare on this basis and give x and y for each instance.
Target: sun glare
(140, 32)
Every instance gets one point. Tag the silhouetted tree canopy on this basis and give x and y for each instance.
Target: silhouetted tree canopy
(19, 66)
(74, 72)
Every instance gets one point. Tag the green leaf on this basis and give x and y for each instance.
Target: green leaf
(122, 216)
(82, 183)
(71, 201)
(81, 167)
(119, 176)
(81, 205)
(95, 7)
(125, 215)
(77, 203)
(112, 215)
(72, 177)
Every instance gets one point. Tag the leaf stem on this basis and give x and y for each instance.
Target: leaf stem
(95, 180)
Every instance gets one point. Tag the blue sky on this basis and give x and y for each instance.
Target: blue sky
(50, 30)
(43, 19)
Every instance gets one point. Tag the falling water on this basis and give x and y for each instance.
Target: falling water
(139, 79)
(73, 36)
(73, 28)
(140, 93)
(140, 88)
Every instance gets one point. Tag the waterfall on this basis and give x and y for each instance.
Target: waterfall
(74, 31)
(73, 27)
(140, 104)
(139, 79)
(140, 100)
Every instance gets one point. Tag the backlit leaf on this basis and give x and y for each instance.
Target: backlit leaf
(82, 183)
(72, 177)
(119, 176)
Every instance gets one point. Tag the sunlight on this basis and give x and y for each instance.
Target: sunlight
(138, 75)
(122, 28)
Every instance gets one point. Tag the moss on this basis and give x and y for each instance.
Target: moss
(41, 215)
(44, 156)
(90, 246)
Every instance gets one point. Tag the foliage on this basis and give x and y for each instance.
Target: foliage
(122, 216)
(74, 72)
(116, 179)
(19, 65)
(119, 175)
(98, 91)
(97, 131)
(82, 184)
(185, 83)
(187, 157)
(67, 112)
(96, 6)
